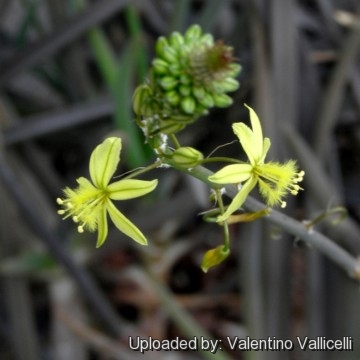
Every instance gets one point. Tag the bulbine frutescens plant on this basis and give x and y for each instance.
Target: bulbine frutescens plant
(191, 74)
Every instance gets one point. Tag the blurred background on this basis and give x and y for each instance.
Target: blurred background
(68, 69)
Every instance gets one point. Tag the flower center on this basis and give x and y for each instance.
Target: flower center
(277, 180)
(84, 206)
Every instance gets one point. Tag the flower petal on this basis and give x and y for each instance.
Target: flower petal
(232, 174)
(239, 199)
(130, 188)
(247, 141)
(214, 257)
(256, 127)
(104, 161)
(102, 228)
(124, 224)
(266, 147)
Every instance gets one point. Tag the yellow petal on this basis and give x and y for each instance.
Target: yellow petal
(102, 228)
(266, 147)
(232, 174)
(124, 224)
(247, 141)
(256, 127)
(238, 200)
(104, 161)
(130, 188)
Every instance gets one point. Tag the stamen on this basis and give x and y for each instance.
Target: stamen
(60, 201)
(80, 229)
(283, 204)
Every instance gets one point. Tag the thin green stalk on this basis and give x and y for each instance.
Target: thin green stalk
(175, 141)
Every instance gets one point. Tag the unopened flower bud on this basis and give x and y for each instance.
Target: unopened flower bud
(141, 98)
(187, 157)
(222, 100)
(176, 39)
(188, 105)
(193, 33)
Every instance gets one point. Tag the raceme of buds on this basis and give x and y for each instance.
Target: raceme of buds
(190, 74)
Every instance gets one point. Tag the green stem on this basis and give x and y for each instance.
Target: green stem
(175, 141)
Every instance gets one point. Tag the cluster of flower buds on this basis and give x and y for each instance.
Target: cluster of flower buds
(190, 74)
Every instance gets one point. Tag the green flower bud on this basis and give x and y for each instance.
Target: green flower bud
(169, 54)
(207, 39)
(234, 70)
(187, 157)
(185, 119)
(175, 69)
(160, 66)
(161, 43)
(172, 97)
(168, 82)
(170, 127)
(185, 79)
(185, 90)
(183, 52)
(176, 39)
(141, 98)
(207, 100)
(199, 92)
(222, 100)
(188, 105)
(229, 84)
(193, 33)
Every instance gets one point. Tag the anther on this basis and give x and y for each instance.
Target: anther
(283, 204)
(60, 201)
(80, 229)
(61, 212)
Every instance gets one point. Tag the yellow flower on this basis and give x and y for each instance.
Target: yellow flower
(91, 201)
(275, 180)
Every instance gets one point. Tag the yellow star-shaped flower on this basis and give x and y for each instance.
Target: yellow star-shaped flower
(275, 180)
(91, 201)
